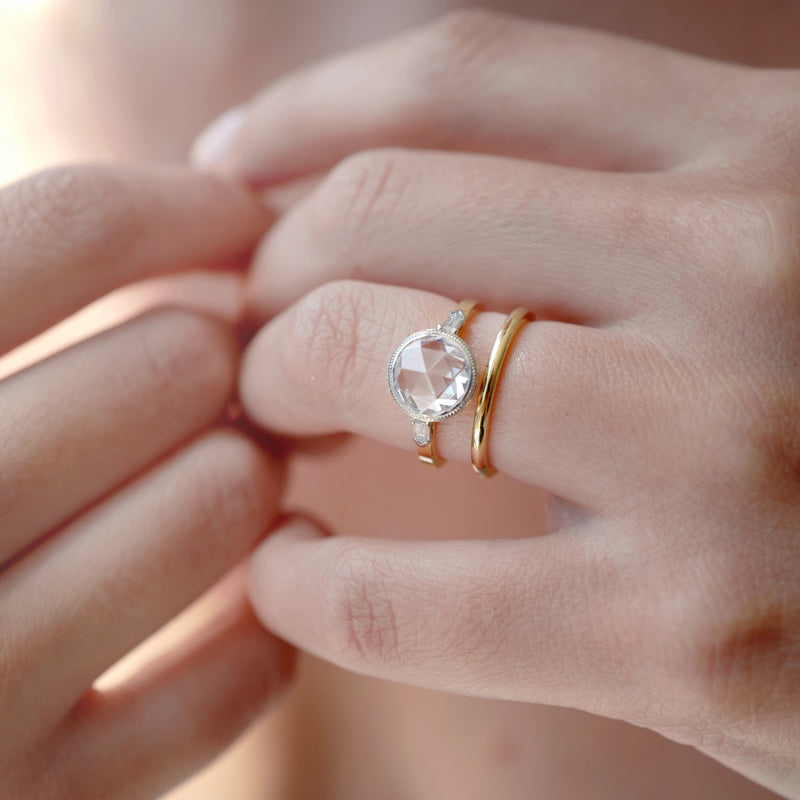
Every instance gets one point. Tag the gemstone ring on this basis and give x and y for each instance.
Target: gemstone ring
(432, 375)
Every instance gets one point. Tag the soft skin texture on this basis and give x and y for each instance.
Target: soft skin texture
(123, 497)
(110, 77)
(656, 398)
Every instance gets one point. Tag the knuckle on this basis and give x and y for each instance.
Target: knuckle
(763, 236)
(361, 603)
(751, 244)
(773, 232)
(379, 616)
(360, 192)
(236, 490)
(776, 95)
(187, 356)
(748, 241)
(465, 39)
(765, 433)
(749, 234)
(325, 346)
(762, 423)
(738, 662)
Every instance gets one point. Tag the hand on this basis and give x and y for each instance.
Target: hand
(118, 503)
(644, 204)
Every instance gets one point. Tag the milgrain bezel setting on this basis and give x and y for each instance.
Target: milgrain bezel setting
(455, 340)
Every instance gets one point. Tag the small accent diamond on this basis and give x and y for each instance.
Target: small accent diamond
(455, 319)
(422, 433)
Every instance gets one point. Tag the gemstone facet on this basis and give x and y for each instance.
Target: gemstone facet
(432, 374)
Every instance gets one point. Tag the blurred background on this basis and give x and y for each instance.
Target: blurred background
(23, 144)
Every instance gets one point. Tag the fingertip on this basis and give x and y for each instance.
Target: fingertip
(291, 531)
(269, 559)
(212, 149)
(252, 376)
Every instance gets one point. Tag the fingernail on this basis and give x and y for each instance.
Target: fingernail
(213, 145)
(290, 531)
(298, 528)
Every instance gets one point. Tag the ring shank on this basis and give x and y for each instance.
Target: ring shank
(488, 386)
(427, 452)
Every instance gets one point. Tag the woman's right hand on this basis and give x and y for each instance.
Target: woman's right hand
(119, 501)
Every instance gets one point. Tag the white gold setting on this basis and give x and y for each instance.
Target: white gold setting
(423, 434)
(432, 375)
(456, 386)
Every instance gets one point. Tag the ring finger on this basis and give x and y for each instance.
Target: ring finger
(320, 367)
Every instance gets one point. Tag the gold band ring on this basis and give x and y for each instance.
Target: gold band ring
(488, 386)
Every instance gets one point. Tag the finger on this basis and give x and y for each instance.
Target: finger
(79, 424)
(531, 619)
(568, 396)
(120, 572)
(175, 716)
(215, 293)
(483, 82)
(585, 245)
(72, 234)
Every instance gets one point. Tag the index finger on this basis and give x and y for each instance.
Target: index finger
(71, 234)
(483, 82)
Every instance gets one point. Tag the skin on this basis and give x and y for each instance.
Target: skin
(111, 78)
(512, 747)
(654, 400)
(124, 496)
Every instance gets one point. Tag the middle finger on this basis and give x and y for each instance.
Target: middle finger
(577, 244)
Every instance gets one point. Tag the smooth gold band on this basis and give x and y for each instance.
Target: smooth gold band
(488, 386)
(427, 452)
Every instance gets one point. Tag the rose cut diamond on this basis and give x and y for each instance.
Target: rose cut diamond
(432, 375)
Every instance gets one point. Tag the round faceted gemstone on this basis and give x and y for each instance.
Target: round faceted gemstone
(432, 375)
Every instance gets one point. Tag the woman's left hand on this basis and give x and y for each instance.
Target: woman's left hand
(645, 204)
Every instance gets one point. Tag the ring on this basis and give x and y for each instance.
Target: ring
(480, 429)
(432, 375)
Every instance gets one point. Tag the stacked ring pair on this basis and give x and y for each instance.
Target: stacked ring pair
(433, 375)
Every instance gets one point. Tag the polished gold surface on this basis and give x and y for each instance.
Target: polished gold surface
(427, 452)
(488, 386)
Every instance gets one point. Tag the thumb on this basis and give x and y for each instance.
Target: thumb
(525, 619)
